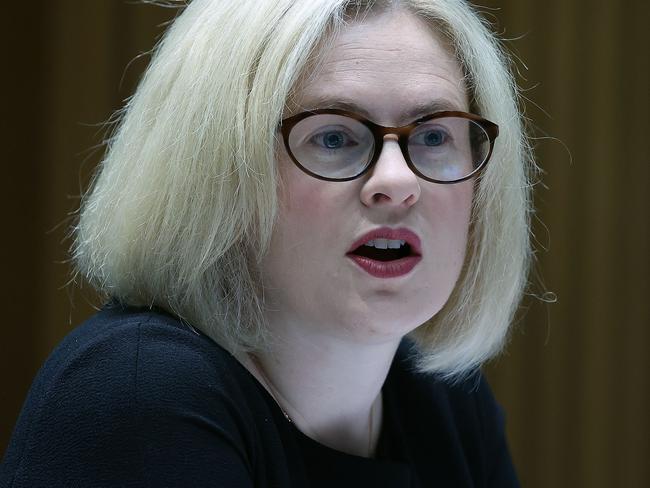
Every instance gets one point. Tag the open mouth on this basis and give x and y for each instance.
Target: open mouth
(384, 249)
(386, 252)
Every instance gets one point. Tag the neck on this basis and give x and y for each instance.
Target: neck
(329, 388)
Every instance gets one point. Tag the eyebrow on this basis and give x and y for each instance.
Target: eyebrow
(409, 114)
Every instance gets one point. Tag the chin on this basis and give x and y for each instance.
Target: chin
(389, 323)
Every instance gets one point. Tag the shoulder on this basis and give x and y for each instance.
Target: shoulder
(471, 391)
(127, 395)
(460, 421)
(139, 351)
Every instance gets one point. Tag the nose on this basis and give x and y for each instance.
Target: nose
(391, 182)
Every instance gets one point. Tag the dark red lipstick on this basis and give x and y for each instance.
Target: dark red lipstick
(391, 253)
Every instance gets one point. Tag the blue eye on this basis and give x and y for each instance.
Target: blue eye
(434, 138)
(333, 140)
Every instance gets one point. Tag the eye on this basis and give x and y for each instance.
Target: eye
(332, 140)
(434, 138)
(431, 137)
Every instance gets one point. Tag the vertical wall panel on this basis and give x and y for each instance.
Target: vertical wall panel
(66, 73)
(21, 129)
(589, 380)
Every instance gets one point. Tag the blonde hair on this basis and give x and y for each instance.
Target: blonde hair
(182, 207)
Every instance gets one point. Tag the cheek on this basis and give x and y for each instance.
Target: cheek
(302, 198)
(450, 210)
(305, 241)
(308, 203)
(305, 210)
(460, 216)
(449, 217)
(462, 209)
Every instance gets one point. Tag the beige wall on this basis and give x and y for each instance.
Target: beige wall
(575, 377)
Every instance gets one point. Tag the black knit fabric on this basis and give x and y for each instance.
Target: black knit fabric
(135, 398)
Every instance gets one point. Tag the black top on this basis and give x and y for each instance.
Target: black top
(135, 398)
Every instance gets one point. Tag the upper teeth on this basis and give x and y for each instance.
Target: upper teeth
(385, 243)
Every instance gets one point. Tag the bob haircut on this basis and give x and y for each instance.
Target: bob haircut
(182, 207)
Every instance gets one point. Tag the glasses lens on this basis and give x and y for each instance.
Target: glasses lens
(332, 146)
(448, 148)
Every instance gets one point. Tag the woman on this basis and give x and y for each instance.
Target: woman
(295, 187)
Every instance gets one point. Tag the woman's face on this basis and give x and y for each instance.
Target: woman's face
(391, 68)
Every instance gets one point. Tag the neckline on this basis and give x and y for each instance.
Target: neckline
(382, 451)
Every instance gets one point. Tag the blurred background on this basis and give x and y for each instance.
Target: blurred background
(575, 377)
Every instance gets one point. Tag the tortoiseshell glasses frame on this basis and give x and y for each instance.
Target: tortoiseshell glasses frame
(488, 129)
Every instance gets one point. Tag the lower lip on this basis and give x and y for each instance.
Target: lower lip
(386, 269)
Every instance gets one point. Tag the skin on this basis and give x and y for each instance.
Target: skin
(336, 327)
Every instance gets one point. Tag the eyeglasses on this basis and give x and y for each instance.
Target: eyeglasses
(335, 145)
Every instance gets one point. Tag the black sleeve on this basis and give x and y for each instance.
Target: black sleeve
(141, 408)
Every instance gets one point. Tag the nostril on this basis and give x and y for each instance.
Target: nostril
(380, 197)
(410, 200)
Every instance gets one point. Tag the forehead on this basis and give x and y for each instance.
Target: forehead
(392, 66)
